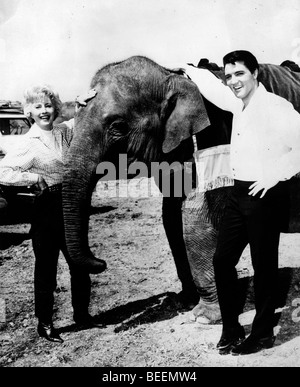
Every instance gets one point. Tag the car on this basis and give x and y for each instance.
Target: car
(15, 202)
(13, 124)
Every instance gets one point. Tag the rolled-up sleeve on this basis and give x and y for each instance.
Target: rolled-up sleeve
(15, 168)
(213, 89)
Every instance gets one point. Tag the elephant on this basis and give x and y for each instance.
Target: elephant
(154, 114)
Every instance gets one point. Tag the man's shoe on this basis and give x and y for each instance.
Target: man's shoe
(88, 322)
(48, 332)
(251, 345)
(228, 340)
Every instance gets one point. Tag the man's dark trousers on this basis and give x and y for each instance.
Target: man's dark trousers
(256, 221)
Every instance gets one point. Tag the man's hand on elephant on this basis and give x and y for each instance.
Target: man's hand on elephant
(263, 185)
(179, 70)
(81, 100)
(191, 70)
(186, 69)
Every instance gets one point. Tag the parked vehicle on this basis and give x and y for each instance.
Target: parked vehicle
(15, 202)
(13, 124)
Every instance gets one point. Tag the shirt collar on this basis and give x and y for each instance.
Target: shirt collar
(261, 90)
(259, 93)
(34, 131)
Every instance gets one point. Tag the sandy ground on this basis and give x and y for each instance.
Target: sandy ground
(145, 326)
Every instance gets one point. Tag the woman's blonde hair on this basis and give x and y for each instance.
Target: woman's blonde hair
(37, 93)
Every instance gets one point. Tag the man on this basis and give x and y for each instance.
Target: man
(265, 152)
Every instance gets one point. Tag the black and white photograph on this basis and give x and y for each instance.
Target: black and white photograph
(149, 186)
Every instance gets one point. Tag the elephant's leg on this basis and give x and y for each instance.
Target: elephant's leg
(172, 221)
(200, 239)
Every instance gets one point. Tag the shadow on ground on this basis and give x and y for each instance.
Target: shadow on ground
(166, 306)
(8, 239)
(101, 209)
(287, 318)
(161, 307)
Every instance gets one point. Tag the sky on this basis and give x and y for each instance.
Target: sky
(64, 42)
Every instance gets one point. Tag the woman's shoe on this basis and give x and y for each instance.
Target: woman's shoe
(48, 332)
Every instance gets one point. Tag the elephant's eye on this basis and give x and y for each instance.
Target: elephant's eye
(119, 128)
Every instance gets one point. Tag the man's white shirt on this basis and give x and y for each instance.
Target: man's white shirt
(265, 136)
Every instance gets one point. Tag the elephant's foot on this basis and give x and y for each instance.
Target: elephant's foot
(188, 299)
(185, 300)
(209, 310)
(91, 264)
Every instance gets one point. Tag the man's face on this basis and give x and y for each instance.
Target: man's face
(241, 81)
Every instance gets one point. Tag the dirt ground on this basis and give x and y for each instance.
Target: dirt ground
(135, 298)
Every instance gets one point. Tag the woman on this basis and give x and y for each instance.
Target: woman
(39, 161)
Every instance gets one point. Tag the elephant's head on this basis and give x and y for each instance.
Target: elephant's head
(141, 109)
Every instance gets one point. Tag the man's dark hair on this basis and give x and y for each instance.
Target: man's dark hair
(246, 57)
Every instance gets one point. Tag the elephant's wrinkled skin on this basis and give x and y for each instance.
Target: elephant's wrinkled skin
(150, 113)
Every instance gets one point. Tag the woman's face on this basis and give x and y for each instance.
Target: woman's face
(43, 113)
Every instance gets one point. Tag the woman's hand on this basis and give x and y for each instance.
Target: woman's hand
(81, 100)
(41, 186)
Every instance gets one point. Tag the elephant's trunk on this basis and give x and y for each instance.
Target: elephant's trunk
(80, 165)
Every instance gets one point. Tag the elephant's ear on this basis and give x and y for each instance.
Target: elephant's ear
(183, 113)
